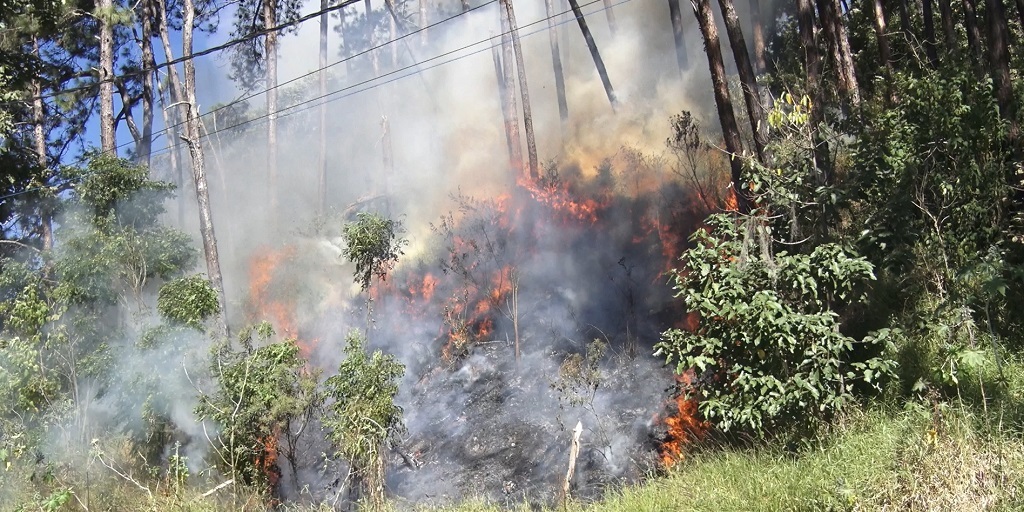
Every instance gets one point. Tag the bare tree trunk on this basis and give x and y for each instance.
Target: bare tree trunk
(930, 46)
(145, 147)
(42, 160)
(730, 130)
(531, 142)
(881, 36)
(757, 26)
(948, 26)
(393, 31)
(556, 63)
(176, 95)
(509, 95)
(812, 67)
(974, 36)
(611, 16)
(499, 74)
(322, 174)
(839, 46)
(108, 137)
(751, 94)
(423, 22)
(270, 54)
(999, 59)
(199, 171)
(676, 14)
(908, 32)
(594, 53)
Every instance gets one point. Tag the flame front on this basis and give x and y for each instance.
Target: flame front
(682, 428)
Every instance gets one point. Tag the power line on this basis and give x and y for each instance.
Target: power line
(395, 71)
(364, 82)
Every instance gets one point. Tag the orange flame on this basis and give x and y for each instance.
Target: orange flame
(683, 427)
(270, 304)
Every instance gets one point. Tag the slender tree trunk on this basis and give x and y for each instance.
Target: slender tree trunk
(195, 148)
(270, 54)
(676, 15)
(611, 16)
(176, 95)
(42, 160)
(393, 31)
(499, 74)
(531, 142)
(108, 137)
(726, 115)
(881, 36)
(847, 67)
(839, 45)
(974, 40)
(908, 32)
(423, 22)
(556, 63)
(757, 27)
(322, 174)
(948, 25)
(812, 67)
(145, 147)
(594, 53)
(751, 93)
(930, 46)
(508, 89)
(999, 59)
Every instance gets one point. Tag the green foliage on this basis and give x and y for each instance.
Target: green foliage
(188, 300)
(362, 414)
(768, 350)
(374, 244)
(260, 389)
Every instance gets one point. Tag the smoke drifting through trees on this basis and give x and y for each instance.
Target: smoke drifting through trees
(583, 270)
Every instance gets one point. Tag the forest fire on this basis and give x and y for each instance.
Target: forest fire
(682, 427)
(268, 301)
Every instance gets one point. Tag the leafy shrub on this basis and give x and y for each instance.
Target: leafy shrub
(768, 350)
(188, 301)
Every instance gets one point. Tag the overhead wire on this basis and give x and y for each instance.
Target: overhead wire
(264, 116)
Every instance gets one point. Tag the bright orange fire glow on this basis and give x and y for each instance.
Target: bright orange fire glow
(267, 460)
(558, 197)
(270, 304)
(683, 427)
(732, 204)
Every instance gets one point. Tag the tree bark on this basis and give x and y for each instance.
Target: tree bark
(598, 62)
(195, 148)
(757, 27)
(499, 74)
(812, 68)
(908, 32)
(726, 115)
(531, 142)
(930, 46)
(108, 137)
(270, 54)
(974, 36)
(145, 146)
(751, 94)
(42, 160)
(881, 36)
(999, 59)
(508, 90)
(611, 16)
(171, 119)
(556, 63)
(676, 14)
(948, 26)
(322, 168)
(839, 45)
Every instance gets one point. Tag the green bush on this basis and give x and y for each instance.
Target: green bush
(768, 351)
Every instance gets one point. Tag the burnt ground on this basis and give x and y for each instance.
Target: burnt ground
(482, 429)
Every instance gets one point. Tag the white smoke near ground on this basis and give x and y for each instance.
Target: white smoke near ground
(429, 143)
